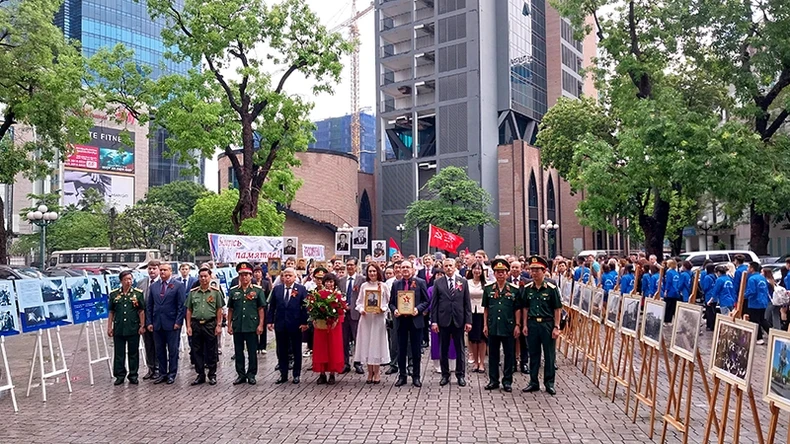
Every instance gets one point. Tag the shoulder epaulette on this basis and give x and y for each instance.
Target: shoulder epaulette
(115, 290)
(550, 285)
(491, 284)
(235, 286)
(530, 284)
(256, 286)
(513, 285)
(195, 289)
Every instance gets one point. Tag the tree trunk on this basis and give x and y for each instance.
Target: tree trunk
(4, 234)
(655, 227)
(677, 243)
(759, 229)
(247, 207)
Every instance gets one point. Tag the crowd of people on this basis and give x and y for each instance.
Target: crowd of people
(468, 311)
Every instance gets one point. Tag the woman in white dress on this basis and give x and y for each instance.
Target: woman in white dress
(372, 347)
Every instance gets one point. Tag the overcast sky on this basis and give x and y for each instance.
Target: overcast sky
(332, 13)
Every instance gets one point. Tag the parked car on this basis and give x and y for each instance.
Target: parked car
(7, 272)
(697, 258)
(32, 272)
(63, 272)
(776, 270)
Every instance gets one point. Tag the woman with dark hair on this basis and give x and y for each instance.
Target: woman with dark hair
(477, 340)
(328, 342)
(372, 347)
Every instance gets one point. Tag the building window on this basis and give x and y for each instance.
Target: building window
(551, 206)
(534, 224)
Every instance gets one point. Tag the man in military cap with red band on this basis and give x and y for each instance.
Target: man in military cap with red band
(245, 322)
(501, 324)
(542, 307)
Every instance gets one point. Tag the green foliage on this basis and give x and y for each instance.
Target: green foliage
(455, 202)
(213, 215)
(181, 196)
(147, 226)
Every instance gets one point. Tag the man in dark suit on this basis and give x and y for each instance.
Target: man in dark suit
(148, 337)
(164, 316)
(451, 316)
(342, 243)
(409, 326)
(186, 280)
(361, 239)
(289, 248)
(349, 285)
(288, 319)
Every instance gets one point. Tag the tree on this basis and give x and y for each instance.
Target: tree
(234, 101)
(649, 137)
(147, 226)
(181, 196)
(455, 202)
(213, 214)
(40, 88)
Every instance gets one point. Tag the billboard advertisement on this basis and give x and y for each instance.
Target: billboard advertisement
(105, 152)
(118, 191)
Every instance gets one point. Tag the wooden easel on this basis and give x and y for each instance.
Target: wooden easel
(646, 393)
(38, 352)
(772, 425)
(594, 338)
(9, 385)
(606, 364)
(624, 372)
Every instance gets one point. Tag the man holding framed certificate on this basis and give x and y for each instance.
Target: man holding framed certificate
(408, 300)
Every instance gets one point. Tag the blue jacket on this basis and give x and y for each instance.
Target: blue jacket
(787, 281)
(627, 283)
(287, 314)
(609, 281)
(685, 285)
(738, 274)
(654, 283)
(165, 310)
(723, 292)
(706, 284)
(647, 285)
(671, 285)
(582, 273)
(756, 294)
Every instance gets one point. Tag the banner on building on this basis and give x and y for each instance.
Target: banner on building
(229, 248)
(313, 252)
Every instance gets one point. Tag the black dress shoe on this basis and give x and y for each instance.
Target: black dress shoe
(280, 380)
(401, 381)
(133, 381)
(551, 391)
(461, 382)
(530, 388)
(277, 367)
(160, 380)
(171, 380)
(346, 369)
(507, 387)
(118, 381)
(331, 380)
(199, 380)
(321, 379)
(491, 386)
(240, 380)
(296, 380)
(251, 380)
(444, 381)
(149, 375)
(212, 380)
(358, 369)
(416, 382)
(524, 369)
(391, 371)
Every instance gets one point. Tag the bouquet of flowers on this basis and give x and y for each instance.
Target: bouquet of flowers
(325, 307)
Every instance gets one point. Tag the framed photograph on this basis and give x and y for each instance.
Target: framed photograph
(586, 300)
(373, 301)
(733, 349)
(596, 309)
(685, 332)
(653, 322)
(360, 239)
(629, 319)
(274, 267)
(613, 309)
(777, 373)
(301, 264)
(290, 247)
(577, 295)
(566, 289)
(342, 244)
(380, 250)
(406, 301)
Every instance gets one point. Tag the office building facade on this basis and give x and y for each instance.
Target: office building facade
(334, 134)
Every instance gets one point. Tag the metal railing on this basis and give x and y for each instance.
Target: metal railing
(319, 214)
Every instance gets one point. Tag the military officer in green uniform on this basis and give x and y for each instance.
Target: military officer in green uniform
(501, 304)
(204, 325)
(245, 311)
(542, 309)
(126, 322)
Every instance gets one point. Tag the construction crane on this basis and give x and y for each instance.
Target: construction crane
(351, 23)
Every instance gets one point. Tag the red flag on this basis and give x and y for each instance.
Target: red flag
(444, 240)
(393, 247)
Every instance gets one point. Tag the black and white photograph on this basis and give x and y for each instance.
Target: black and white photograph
(586, 301)
(577, 295)
(685, 331)
(79, 288)
(98, 288)
(8, 323)
(6, 294)
(733, 349)
(360, 241)
(57, 312)
(380, 250)
(777, 375)
(613, 309)
(34, 316)
(53, 290)
(342, 244)
(113, 281)
(596, 309)
(372, 301)
(566, 290)
(653, 322)
(629, 320)
(291, 244)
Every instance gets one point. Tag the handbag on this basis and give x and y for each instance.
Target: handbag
(780, 297)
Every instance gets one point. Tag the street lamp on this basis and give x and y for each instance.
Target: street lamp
(550, 228)
(704, 225)
(42, 217)
(400, 229)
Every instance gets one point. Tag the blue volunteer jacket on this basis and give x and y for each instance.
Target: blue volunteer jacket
(756, 294)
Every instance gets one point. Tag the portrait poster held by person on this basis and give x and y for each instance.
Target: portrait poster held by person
(542, 307)
(246, 320)
(326, 309)
(164, 316)
(126, 323)
(371, 348)
(204, 326)
(288, 319)
(502, 324)
(451, 316)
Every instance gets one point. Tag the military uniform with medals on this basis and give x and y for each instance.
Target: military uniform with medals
(540, 305)
(126, 324)
(244, 306)
(501, 305)
(202, 306)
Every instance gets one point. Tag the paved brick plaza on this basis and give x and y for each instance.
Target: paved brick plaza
(350, 411)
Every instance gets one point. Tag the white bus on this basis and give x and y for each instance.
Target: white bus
(103, 256)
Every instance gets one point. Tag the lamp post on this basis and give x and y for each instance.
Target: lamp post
(400, 229)
(42, 217)
(550, 228)
(704, 225)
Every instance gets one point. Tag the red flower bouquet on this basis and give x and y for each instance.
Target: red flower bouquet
(325, 307)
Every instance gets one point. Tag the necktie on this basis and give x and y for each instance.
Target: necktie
(452, 284)
(162, 292)
(350, 288)
(184, 281)
(405, 284)
(287, 294)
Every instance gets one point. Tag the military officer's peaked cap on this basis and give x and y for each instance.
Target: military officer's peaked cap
(537, 262)
(500, 265)
(244, 267)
